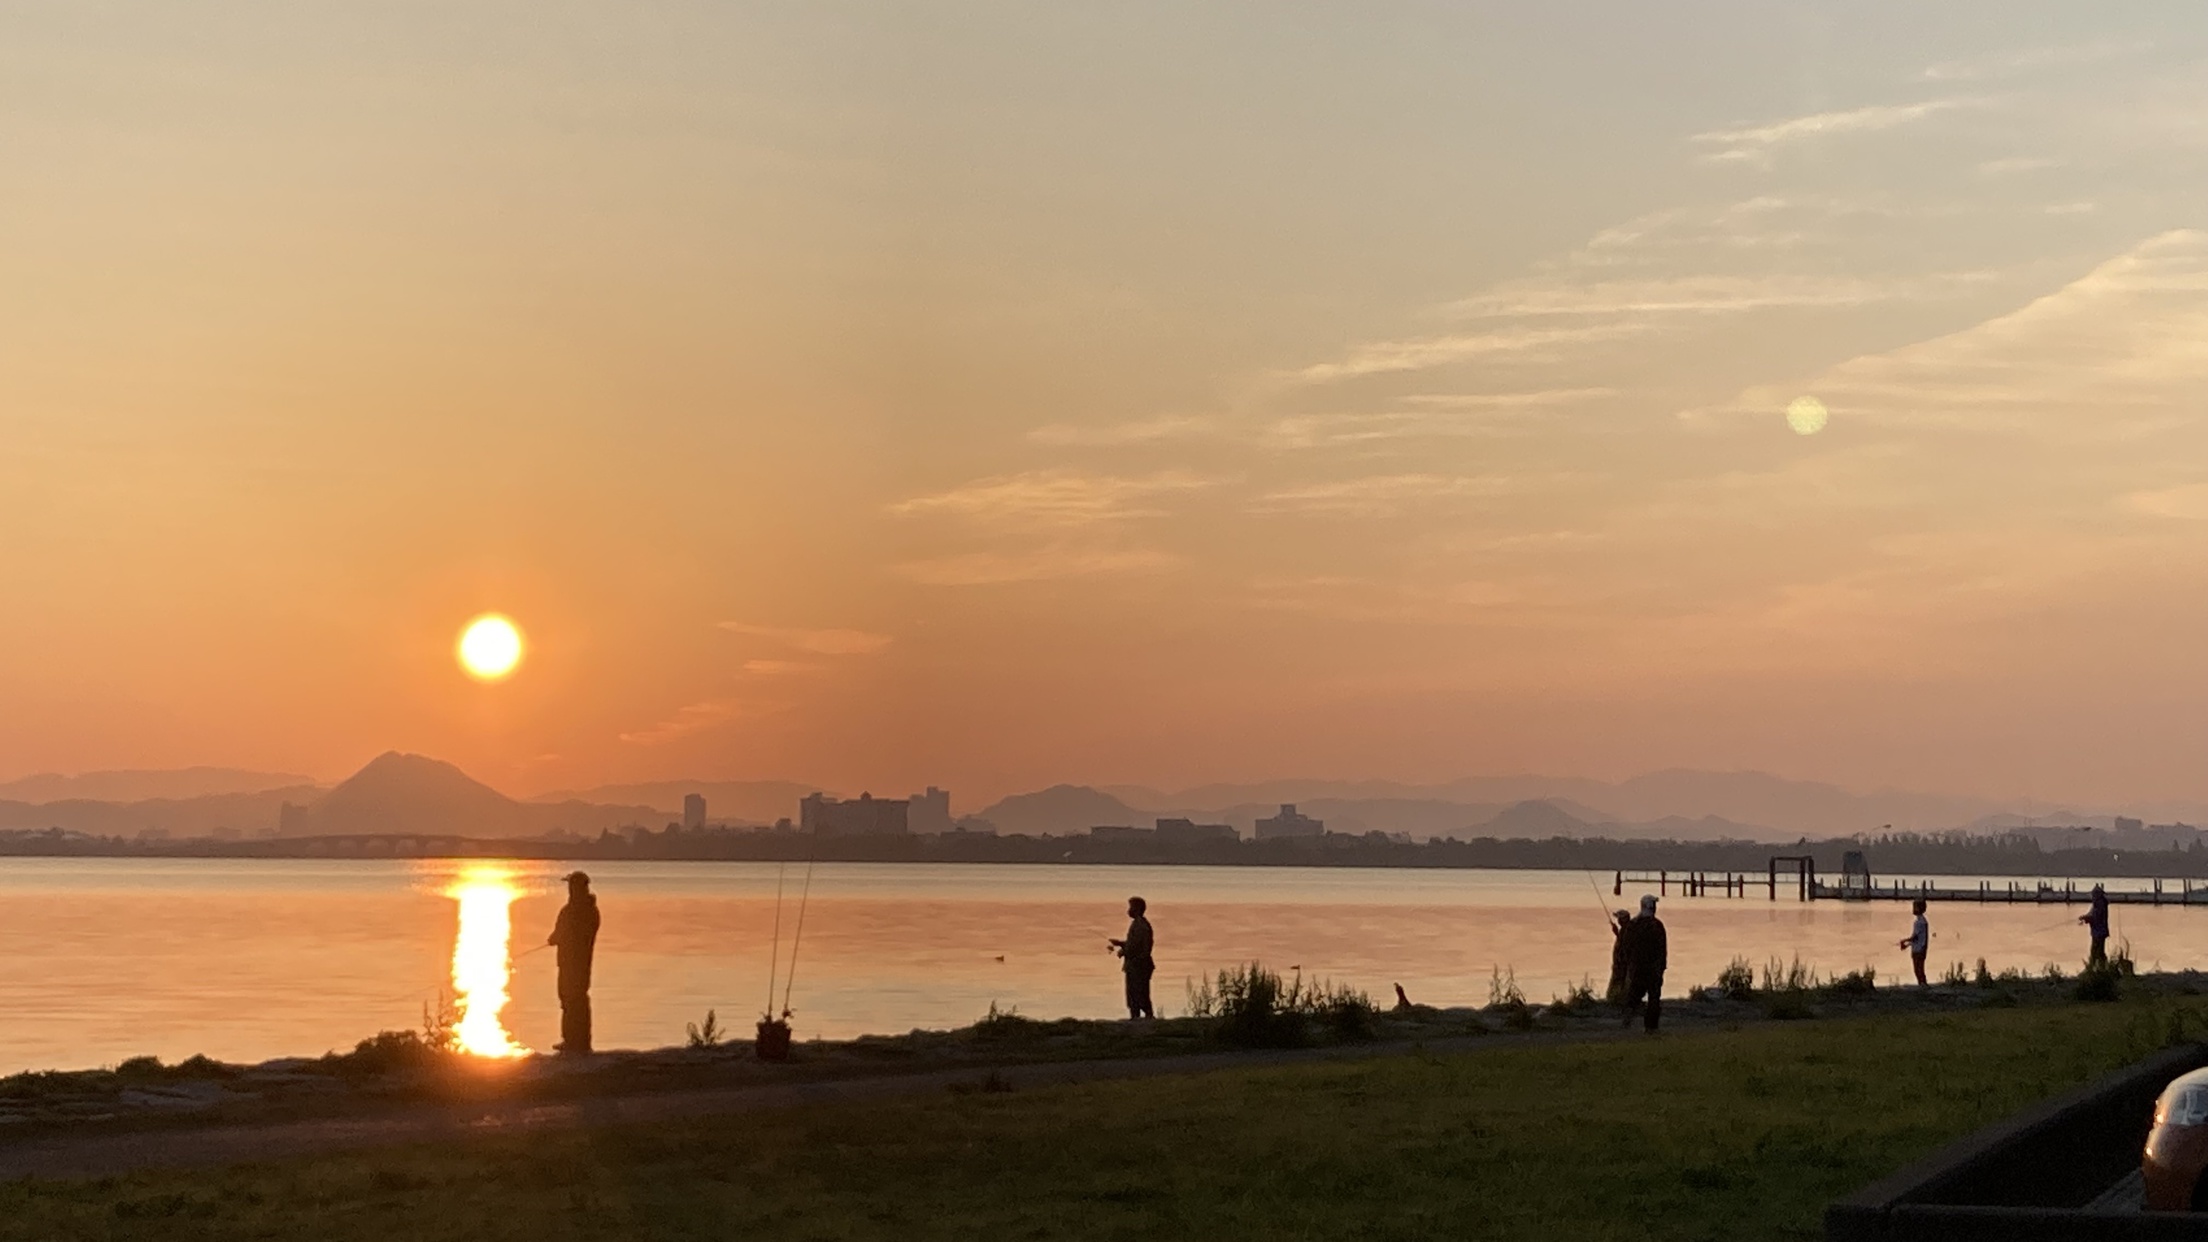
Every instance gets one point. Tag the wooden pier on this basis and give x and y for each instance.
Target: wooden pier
(1799, 874)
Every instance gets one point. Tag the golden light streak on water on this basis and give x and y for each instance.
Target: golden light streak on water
(481, 965)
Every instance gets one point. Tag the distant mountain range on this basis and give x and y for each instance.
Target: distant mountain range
(412, 793)
(144, 786)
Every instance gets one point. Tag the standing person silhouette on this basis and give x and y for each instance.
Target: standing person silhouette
(1647, 953)
(1135, 959)
(575, 934)
(2095, 919)
(1919, 942)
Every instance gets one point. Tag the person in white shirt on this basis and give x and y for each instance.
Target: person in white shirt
(1919, 942)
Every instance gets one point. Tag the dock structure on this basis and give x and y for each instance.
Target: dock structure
(1798, 873)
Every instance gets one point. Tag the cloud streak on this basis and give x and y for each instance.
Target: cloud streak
(1756, 142)
(1055, 498)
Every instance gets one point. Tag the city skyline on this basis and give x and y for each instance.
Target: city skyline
(1004, 397)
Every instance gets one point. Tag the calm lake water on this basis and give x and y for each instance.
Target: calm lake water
(249, 960)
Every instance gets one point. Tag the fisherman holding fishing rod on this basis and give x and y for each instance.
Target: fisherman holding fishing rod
(575, 935)
(1135, 958)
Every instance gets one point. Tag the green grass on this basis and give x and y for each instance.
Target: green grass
(1743, 1133)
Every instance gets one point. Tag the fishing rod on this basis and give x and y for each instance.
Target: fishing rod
(796, 938)
(1609, 916)
(774, 954)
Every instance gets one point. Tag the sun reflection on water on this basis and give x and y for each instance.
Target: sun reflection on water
(481, 966)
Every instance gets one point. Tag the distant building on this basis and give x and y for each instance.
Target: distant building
(2127, 824)
(865, 816)
(1289, 823)
(930, 812)
(1189, 832)
(693, 812)
(1119, 832)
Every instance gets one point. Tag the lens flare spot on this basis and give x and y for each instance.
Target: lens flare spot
(490, 647)
(481, 965)
(1806, 415)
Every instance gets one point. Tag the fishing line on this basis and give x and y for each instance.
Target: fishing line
(799, 935)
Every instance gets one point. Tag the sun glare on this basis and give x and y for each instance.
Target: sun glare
(490, 647)
(1806, 415)
(481, 966)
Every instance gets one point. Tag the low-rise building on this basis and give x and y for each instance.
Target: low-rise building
(863, 816)
(1289, 823)
(1189, 832)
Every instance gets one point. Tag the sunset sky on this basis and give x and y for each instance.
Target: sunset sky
(989, 395)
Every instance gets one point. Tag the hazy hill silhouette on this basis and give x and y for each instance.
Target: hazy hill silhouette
(143, 786)
(244, 813)
(413, 793)
(400, 793)
(1061, 809)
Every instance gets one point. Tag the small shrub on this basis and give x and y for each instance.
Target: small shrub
(1503, 989)
(440, 1023)
(1983, 977)
(1956, 976)
(1578, 998)
(1855, 983)
(2121, 962)
(1738, 980)
(389, 1052)
(2052, 973)
(140, 1067)
(708, 1035)
(1252, 1008)
(1792, 976)
(2011, 975)
(2099, 982)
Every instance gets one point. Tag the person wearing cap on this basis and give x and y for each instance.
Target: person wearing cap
(1646, 955)
(1135, 958)
(2095, 919)
(575, 935)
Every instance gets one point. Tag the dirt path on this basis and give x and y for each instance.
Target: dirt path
(79, 1156)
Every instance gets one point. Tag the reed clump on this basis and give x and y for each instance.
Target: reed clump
(1250, 1006)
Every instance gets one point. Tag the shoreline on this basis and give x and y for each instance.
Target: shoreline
(398, 1075)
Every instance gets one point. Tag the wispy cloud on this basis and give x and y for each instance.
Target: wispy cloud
(2189, 502)
(781, 668)
(1705, 294)
(1757, 142)
(687, 720)
(1108, 435)
(2113, 354)
(1055, 497)
(832, 642)
(2009, 165)
(1034, 565)
(1424, 353)
(1379, 495)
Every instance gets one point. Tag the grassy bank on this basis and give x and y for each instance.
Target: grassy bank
(1718, 1134)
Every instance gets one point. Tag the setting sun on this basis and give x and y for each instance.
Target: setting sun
(490, 647)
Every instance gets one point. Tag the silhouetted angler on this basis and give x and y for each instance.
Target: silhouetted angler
(1646, 956)
(575, 934)
(1136, 960)
(1615, 993)
(2095, 919)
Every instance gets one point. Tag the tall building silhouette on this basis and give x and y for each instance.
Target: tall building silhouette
(930, 812)
(693, 812)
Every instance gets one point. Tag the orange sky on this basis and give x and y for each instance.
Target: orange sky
(882, 397)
